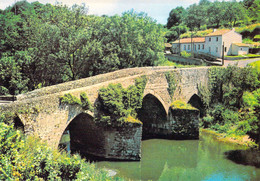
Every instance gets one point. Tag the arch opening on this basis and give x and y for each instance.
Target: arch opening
(196, 102)
(153, 116)
(18, 124)
(82, 136)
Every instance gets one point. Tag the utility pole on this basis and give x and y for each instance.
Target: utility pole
(223, 49)
(179, 43)
(191, 44)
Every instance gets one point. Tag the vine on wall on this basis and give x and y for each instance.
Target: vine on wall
(172, 81)
(118, 105)
(73, 100)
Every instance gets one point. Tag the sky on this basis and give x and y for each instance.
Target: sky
(157, 9)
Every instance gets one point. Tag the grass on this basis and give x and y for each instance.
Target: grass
(179, 104)
(256, 64)
(130, 119)
(174, 64)
(196, 34)
(245, 56)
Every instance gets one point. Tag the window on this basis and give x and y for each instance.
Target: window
(209, 39)
(217, 39)
(188, 47)
(199, 47)
(209, 49)
(241, 48)
(216, 49)
(203, 47)
(184, 47)
(225, 49)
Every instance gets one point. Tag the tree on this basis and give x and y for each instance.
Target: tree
(175, 17)
(175, 32)
(196, 16)
(234, 12)
(216, 14)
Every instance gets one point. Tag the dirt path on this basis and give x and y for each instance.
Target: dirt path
(240, 63)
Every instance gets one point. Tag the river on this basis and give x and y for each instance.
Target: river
(202, 159)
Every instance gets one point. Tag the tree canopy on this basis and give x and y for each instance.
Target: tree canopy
(43, 45)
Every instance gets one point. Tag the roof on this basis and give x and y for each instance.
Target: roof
(219, 32)
(194, 40)
(241, 44)
(168, 45)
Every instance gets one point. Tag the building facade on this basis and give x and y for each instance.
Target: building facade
(214, 44)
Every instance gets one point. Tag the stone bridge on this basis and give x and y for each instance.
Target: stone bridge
(40, 112)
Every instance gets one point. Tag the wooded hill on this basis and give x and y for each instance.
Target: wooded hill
(207, 14)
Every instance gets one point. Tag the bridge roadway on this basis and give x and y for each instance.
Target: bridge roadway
(41, 113)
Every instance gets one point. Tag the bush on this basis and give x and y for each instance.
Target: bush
(70, 99)
(86, 104)
(179, 104)
(207, 121)
(185, 54)
(30, 159)
(117, 103)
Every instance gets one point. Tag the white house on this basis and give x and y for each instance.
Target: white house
(214, 43)
(186, 44)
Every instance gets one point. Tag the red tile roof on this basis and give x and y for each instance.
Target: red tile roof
(241, 44)
(219, 32)
(194, 40)
(168, 45)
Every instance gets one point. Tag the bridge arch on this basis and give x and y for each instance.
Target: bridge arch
(80, 134)
(196, 102)
(158, 97)
(152, 115)
(18, 124)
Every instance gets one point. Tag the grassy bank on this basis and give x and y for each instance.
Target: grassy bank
(235, 139)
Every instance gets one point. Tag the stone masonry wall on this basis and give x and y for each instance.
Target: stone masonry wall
(183, 123)
(105, 142)
(42, 114)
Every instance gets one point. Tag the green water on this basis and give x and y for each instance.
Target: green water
(202, 159)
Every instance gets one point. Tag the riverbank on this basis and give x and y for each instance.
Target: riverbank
(240, 140)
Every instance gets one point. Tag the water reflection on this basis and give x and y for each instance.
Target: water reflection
(202, 159)
(245, 157)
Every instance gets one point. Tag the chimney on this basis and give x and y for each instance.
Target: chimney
(214, 30)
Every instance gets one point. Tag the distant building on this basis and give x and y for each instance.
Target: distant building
(213, 44)
(168, 48)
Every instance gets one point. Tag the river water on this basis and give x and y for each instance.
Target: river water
(202, 159)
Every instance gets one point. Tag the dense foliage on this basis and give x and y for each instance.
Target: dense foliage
(180, 104)
(117, 104)
(73, 100)
(232, 101)
(207, 14)
(30, 159)
(43, 45)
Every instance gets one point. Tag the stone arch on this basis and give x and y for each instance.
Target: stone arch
(153, 115)
(157, 97)
(82, 136)
(196, 102)
(18, 124)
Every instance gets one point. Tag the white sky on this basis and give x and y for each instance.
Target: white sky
(157, 9)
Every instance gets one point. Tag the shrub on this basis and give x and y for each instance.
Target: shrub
(172, 83)
(30, 159)
(185, 54)
(86, 104)
(117, 103)
(207, 121)
(179, 104)
(70, 99)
